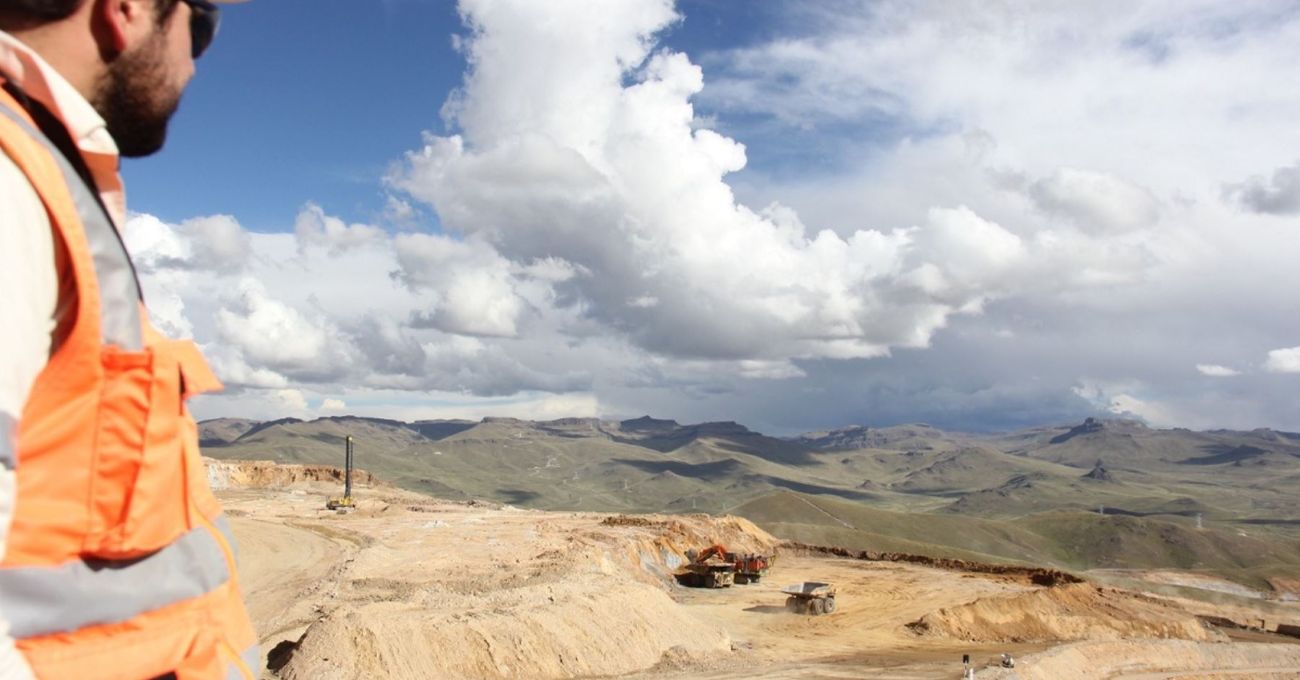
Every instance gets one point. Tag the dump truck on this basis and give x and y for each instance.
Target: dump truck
(344, 503)
(750, 567)
(810, 597)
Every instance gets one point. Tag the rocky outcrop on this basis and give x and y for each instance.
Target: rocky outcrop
(648, 424)
(1099, 473)
(1097, 425)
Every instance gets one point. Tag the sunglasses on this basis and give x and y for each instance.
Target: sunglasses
(204, 19)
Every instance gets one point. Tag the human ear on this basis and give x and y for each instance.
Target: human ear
(125, 22)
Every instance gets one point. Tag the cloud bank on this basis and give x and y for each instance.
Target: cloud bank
(1012, 222)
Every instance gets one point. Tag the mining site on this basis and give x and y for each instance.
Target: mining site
(403, 585)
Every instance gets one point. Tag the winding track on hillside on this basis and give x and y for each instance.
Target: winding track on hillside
(818, 508)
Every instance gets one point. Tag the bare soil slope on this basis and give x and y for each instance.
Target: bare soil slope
(410, 587)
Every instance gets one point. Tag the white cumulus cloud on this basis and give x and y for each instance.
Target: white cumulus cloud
(315, 229)
(1216, 371)
(1285, 360)
(474, 287)
(333, 405)
(279, 336)
(578, 142)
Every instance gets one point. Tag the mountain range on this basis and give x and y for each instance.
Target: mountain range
(1078, 495)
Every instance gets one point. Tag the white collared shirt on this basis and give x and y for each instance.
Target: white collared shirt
(89, 132)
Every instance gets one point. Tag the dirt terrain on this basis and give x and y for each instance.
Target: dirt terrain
(411, 587)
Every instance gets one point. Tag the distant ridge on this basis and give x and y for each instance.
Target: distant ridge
(914, 435)
(267, 425)
(222, 431)
(440, 429)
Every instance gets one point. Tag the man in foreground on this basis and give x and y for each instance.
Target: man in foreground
(116, 561)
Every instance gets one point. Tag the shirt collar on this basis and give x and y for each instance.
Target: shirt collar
(34, 76)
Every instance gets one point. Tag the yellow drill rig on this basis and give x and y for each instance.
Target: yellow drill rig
(344, 503)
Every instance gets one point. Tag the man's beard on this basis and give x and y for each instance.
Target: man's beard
(136, 101)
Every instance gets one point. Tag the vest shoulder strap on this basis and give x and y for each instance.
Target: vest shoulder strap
(118, 286)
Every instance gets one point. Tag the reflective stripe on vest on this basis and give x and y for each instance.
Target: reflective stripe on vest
(8, 441)
(252, 658)
(44, 600)
(119, 292)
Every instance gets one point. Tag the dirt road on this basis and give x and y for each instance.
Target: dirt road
(282, 568)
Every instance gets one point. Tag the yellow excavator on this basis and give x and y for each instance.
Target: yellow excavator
(344, 503)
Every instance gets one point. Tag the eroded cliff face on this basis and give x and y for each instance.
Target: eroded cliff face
(261, 474)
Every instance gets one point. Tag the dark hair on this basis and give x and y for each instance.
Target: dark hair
(36, 12)
(40, 11)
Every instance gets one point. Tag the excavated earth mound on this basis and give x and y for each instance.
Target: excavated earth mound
(547, 630)
(590, 587)
(659, 546)
(1069, 612)
(419, 588)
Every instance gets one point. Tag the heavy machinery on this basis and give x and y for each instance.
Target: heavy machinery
(750, 567)
(708, 569)
(344, 503)
(810, 597)
(715, 567)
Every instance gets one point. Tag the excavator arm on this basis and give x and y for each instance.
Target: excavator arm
(719, 550)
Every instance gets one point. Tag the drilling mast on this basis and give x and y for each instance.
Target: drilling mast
(344, 503)
(347, 470)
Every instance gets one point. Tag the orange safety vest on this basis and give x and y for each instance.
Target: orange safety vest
(119, 563)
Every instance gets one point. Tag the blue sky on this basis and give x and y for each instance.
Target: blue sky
(792, 215)
(302, 100)
(312, 100)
